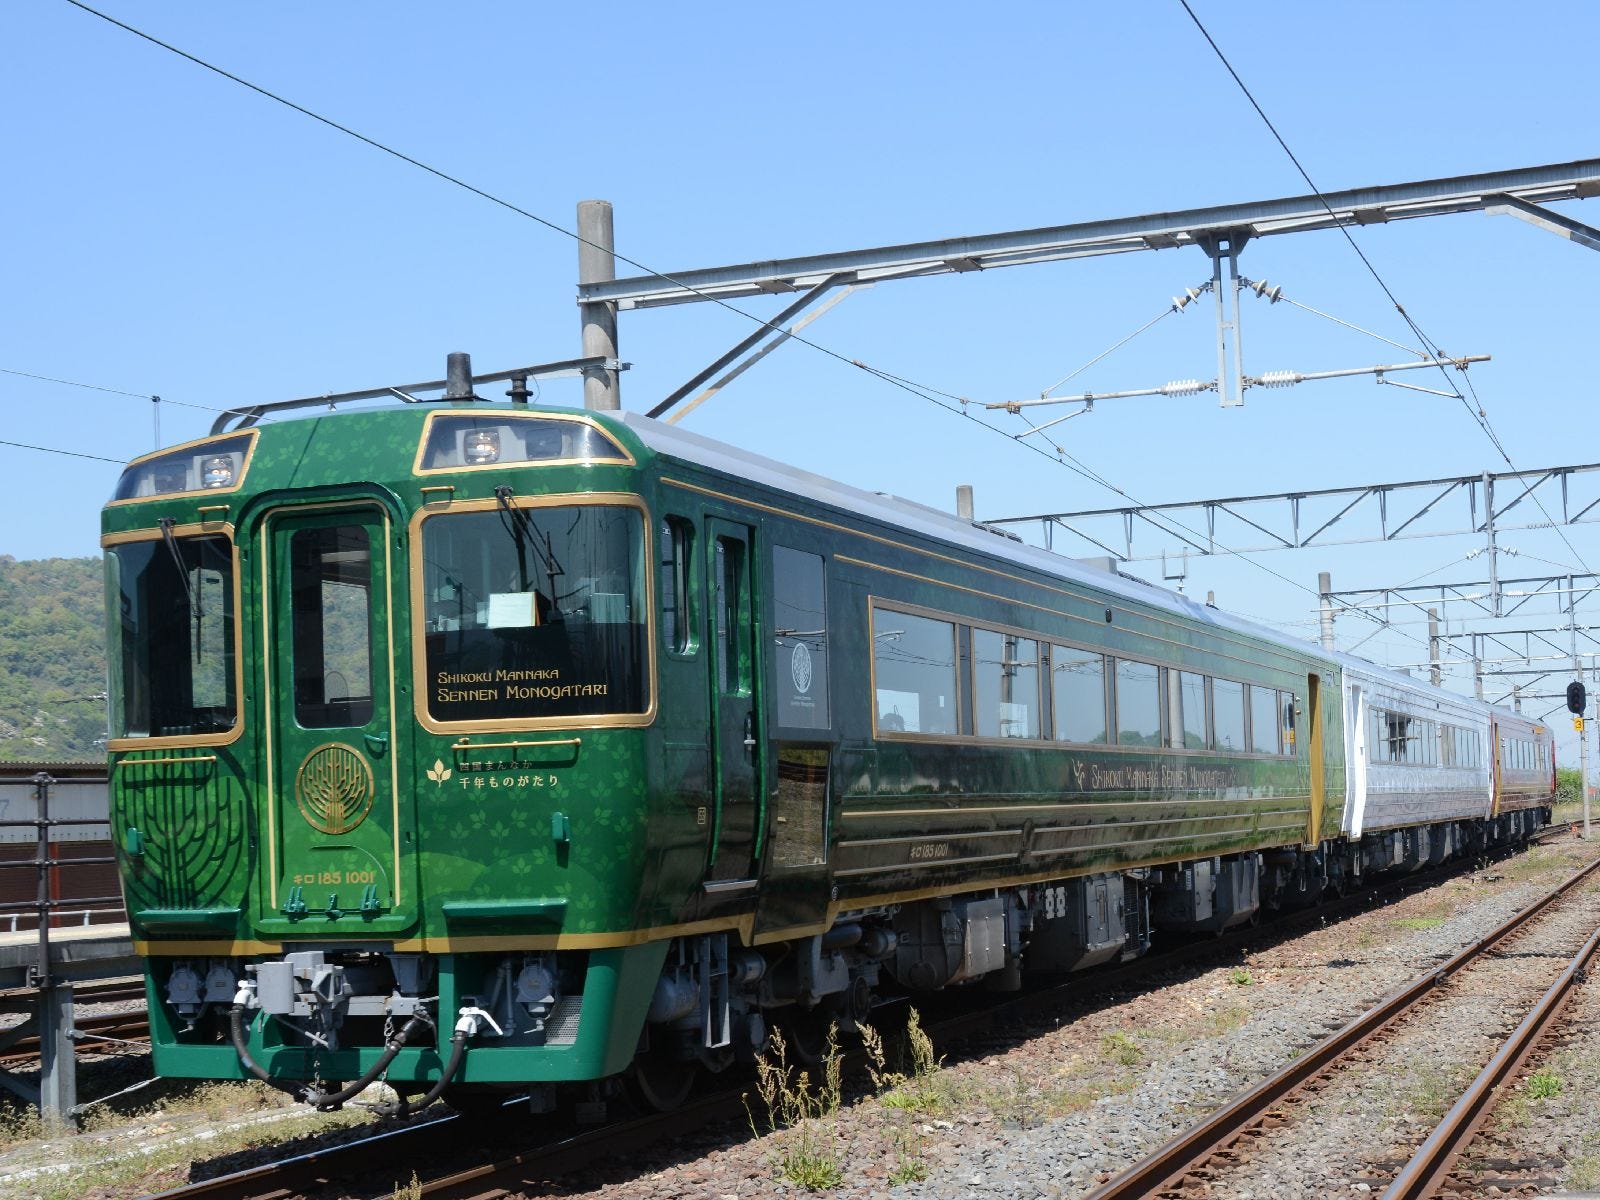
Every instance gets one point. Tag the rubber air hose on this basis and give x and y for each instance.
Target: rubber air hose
(458, 1050)
(323, 1103)
(242, 1048)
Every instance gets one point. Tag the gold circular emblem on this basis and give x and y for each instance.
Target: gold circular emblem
(334, 788)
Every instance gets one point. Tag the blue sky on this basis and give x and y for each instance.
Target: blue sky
(173, 233)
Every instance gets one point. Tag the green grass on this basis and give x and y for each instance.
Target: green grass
(1542, 1085)
(1120, 1048)
(802, 1114)
(235, 1116)
(1224, 1019)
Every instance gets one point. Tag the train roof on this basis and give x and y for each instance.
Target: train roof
(662, 438)
(935, 523)
(915, 517)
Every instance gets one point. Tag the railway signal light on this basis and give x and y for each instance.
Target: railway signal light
(1577, 697)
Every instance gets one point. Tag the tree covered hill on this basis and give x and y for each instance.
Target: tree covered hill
(52, 660)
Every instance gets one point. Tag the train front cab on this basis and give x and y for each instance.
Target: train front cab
(382, 763)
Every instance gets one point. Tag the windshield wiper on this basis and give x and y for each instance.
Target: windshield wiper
(189, 589)
(522, 528)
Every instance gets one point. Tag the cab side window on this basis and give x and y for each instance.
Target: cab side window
(800, 615)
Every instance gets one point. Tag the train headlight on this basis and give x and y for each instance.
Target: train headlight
(217, 471)
(481, 446)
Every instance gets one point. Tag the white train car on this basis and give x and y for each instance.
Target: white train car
(1524, 764)
(1432, 774)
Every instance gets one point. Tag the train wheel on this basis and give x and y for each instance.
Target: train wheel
(659, 1083)
(807, 1036)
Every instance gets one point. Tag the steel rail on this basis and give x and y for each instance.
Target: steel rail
(1167, 1165)
(90, 1035)
(1426, 1172)
(502, 1174)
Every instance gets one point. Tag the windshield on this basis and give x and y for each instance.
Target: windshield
(172, 637)
(534, 612)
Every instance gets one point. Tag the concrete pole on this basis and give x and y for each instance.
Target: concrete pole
(1583, 772)
(597, 263)
(1435, 675)
(1583, 741)
(58, 1062)
(1325, 609)
(964, 501)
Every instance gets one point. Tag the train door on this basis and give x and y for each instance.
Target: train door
(334, 831)
(736, 739)
(1496, 768)
(1357, 755)
(1315, 747)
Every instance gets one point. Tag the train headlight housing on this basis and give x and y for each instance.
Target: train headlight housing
(217, 471)
(481, 446)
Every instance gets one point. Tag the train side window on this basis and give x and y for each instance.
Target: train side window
(729, 575)
(1138, 703)
(330, 577)
(1193, 712)
(1005, 688)
(800, 616)
(1397, 737)
(1286, 720)
(913, 673)
(1263, 720)
(677, 615)
(1078, 694)
(1227, 707)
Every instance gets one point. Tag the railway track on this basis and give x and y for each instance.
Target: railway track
(103, 1034)
(1433, 1169)
(98, 1033)
(1199, 1160)
(535, 1161)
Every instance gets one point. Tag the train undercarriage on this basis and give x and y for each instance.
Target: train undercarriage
(475, 1028)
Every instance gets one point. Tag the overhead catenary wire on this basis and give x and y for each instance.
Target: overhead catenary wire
(57, 450)
(928, 394)
(1109, 350)
(1475, 409)
(96, 387)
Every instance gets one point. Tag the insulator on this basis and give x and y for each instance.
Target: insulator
(1266, 291)
(1281, 379)
(1184, 387)
(1190, 295)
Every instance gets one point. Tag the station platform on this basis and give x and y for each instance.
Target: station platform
(77, 954)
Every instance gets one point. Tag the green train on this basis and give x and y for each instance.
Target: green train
(483, 747)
